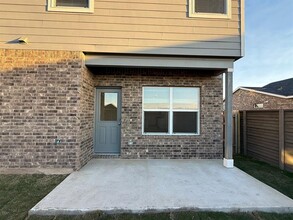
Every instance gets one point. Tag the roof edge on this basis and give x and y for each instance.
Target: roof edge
(265, 93)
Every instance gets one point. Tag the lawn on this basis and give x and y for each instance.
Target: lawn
(18, 193)
(175, 216)
(270, 175)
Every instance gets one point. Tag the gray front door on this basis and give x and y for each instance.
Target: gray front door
(108, 121)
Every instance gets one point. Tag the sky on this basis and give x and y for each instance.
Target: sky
(268, 43)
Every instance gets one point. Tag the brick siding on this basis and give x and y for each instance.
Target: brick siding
(40, 99)
(205, 146)
(245, 100)
(87, 116)
(47, 95)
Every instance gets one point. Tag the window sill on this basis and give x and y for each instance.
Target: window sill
(165, 134)
(71, 9)
(209, 15)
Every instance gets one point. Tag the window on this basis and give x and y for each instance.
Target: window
(108, 106)
(171, 110)
(210, 8)
(71, 5)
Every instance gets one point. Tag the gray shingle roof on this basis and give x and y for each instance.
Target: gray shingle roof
(283, 87)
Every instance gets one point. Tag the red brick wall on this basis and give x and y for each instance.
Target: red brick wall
(245, 100)
(207, 145)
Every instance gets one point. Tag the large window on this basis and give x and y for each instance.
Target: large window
(171, 110)
(210, 8)
(71, 5)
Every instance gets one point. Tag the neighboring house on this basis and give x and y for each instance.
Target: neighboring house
(276, 95)
(134, 79)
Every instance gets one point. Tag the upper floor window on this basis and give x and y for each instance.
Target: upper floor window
(71, 5)
(210, 8)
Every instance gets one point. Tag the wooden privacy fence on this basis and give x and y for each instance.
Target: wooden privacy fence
(266, 135)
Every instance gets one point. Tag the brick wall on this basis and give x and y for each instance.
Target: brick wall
(48, 95)
(245, 100)
(86, 116)
(207, 145)
(40, 99)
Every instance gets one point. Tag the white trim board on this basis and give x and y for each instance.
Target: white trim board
(52, 7)
(242, 27)
(194, 14)
(156, 61)
(170, 110)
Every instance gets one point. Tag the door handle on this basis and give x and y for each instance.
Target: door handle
(119, 123)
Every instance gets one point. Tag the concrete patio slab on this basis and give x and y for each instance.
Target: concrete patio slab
(115, 185)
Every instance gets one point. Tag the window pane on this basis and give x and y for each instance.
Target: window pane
(186, 98)
(156, 122)
(73, 3)
(185, 122)
(156, 98)
(108, 107)
(210, 6)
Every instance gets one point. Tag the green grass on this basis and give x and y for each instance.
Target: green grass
(270, 175)
(174, 216)
(18, 193)
(158, 216)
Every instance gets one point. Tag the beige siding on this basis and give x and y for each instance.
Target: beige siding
(123, 26)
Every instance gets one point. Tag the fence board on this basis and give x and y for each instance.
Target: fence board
(288, 140)
(262, 128)
(263, 136)
(268, 136)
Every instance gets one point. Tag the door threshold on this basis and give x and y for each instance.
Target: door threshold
(106, 156)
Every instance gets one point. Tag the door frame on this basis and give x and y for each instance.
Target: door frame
(96, 117)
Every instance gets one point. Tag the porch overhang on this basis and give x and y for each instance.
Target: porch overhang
(158, 62)
(211, 64)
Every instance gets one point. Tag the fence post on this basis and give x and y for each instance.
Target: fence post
(244, 133)
(281, 139)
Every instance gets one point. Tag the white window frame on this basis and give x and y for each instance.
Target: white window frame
(170, 113)
(193, 13)
(52, 7)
